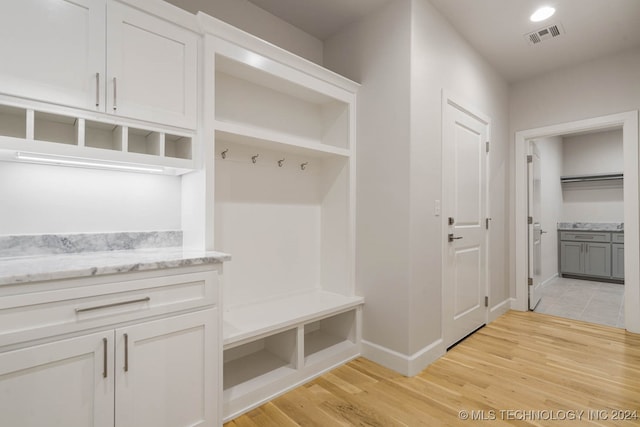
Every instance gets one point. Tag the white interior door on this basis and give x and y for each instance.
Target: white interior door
(465, 209)
(535, 227)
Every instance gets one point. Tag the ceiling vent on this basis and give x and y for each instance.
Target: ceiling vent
(543, 34)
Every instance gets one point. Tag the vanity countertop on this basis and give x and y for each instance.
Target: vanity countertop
(33, 258)
(25, 269)
(591, 226)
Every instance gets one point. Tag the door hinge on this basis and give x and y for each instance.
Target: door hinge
(486, 301)
(486, 223)
(530, 220)
(529, 158)
(487, 146)
(530, 281)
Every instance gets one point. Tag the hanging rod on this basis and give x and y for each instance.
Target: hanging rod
(594, 177)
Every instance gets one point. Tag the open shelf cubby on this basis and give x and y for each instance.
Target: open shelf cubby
(328, 336)
(249, 366)
(13, 122)
(103, 135)
(259, 100)
(56, 128)
(177, 146)
(144, 141)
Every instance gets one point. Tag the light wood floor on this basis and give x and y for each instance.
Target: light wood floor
(547, 366)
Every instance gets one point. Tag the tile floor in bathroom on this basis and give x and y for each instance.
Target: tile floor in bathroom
(595, 302)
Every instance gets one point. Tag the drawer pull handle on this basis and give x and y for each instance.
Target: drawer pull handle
(126, 352)
(115, 304)
(584, 237)
(104, 358)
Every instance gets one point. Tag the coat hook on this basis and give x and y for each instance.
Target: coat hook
(303, 166)
(254, 159)
(280, 163)
(224, 154)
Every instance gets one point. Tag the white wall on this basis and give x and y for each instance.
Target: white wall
(593, 153)
(252, 19)
(551, 161)
(404, 55)
(596, 88)
(442, 59)
(37, 199)
(376, 52)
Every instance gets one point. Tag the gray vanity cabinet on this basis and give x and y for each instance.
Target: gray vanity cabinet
(571, 257)
(597, 259)
(617, 256)
(591, 254)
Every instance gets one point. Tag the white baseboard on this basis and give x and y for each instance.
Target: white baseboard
(546, 282)
(499, 309)
(402, 363)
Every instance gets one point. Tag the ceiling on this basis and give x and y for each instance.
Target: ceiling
(320, 18)
(496, 28)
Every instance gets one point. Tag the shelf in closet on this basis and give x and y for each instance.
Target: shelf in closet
(273, 140)
(251, 321)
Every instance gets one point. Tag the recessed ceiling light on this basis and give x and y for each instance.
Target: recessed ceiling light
(543, 13)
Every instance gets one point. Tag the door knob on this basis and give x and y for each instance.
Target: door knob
(451, 238)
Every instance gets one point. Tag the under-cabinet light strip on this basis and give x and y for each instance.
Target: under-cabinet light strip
(72, 161)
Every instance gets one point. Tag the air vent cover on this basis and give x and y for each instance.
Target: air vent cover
(543, 34)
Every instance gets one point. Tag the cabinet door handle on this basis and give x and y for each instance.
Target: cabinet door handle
(104, 354)
(126, 352)
(115, 304)
(97, 89)
(115, 94)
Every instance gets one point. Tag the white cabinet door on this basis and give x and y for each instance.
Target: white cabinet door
(167, 372)
(152, 68)
(67, 383)
(51, 50)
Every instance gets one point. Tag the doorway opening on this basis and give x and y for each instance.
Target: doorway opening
(576, 230)
(628, 122)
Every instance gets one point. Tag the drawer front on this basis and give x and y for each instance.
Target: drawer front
(43, 314)
(617, 237)
(585, 236)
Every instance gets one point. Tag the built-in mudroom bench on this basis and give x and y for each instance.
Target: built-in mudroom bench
(592, 250)
(284, 161)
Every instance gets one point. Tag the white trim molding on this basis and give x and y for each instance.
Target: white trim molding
(499, 309)
(629, 123)
(408, 365)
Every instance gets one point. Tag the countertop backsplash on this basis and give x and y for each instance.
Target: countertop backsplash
(74, 243)
(591, 226)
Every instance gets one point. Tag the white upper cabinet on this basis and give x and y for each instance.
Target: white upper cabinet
(51, 50)
(151, 68)
(100, 55)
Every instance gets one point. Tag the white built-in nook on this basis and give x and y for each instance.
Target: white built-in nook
(284, 132)
(62, 133)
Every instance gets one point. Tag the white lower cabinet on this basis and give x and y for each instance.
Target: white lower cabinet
(165, 372)
(134, 371)
(67, 383)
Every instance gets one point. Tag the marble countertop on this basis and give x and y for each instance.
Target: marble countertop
(25, 269)
(591, 226)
